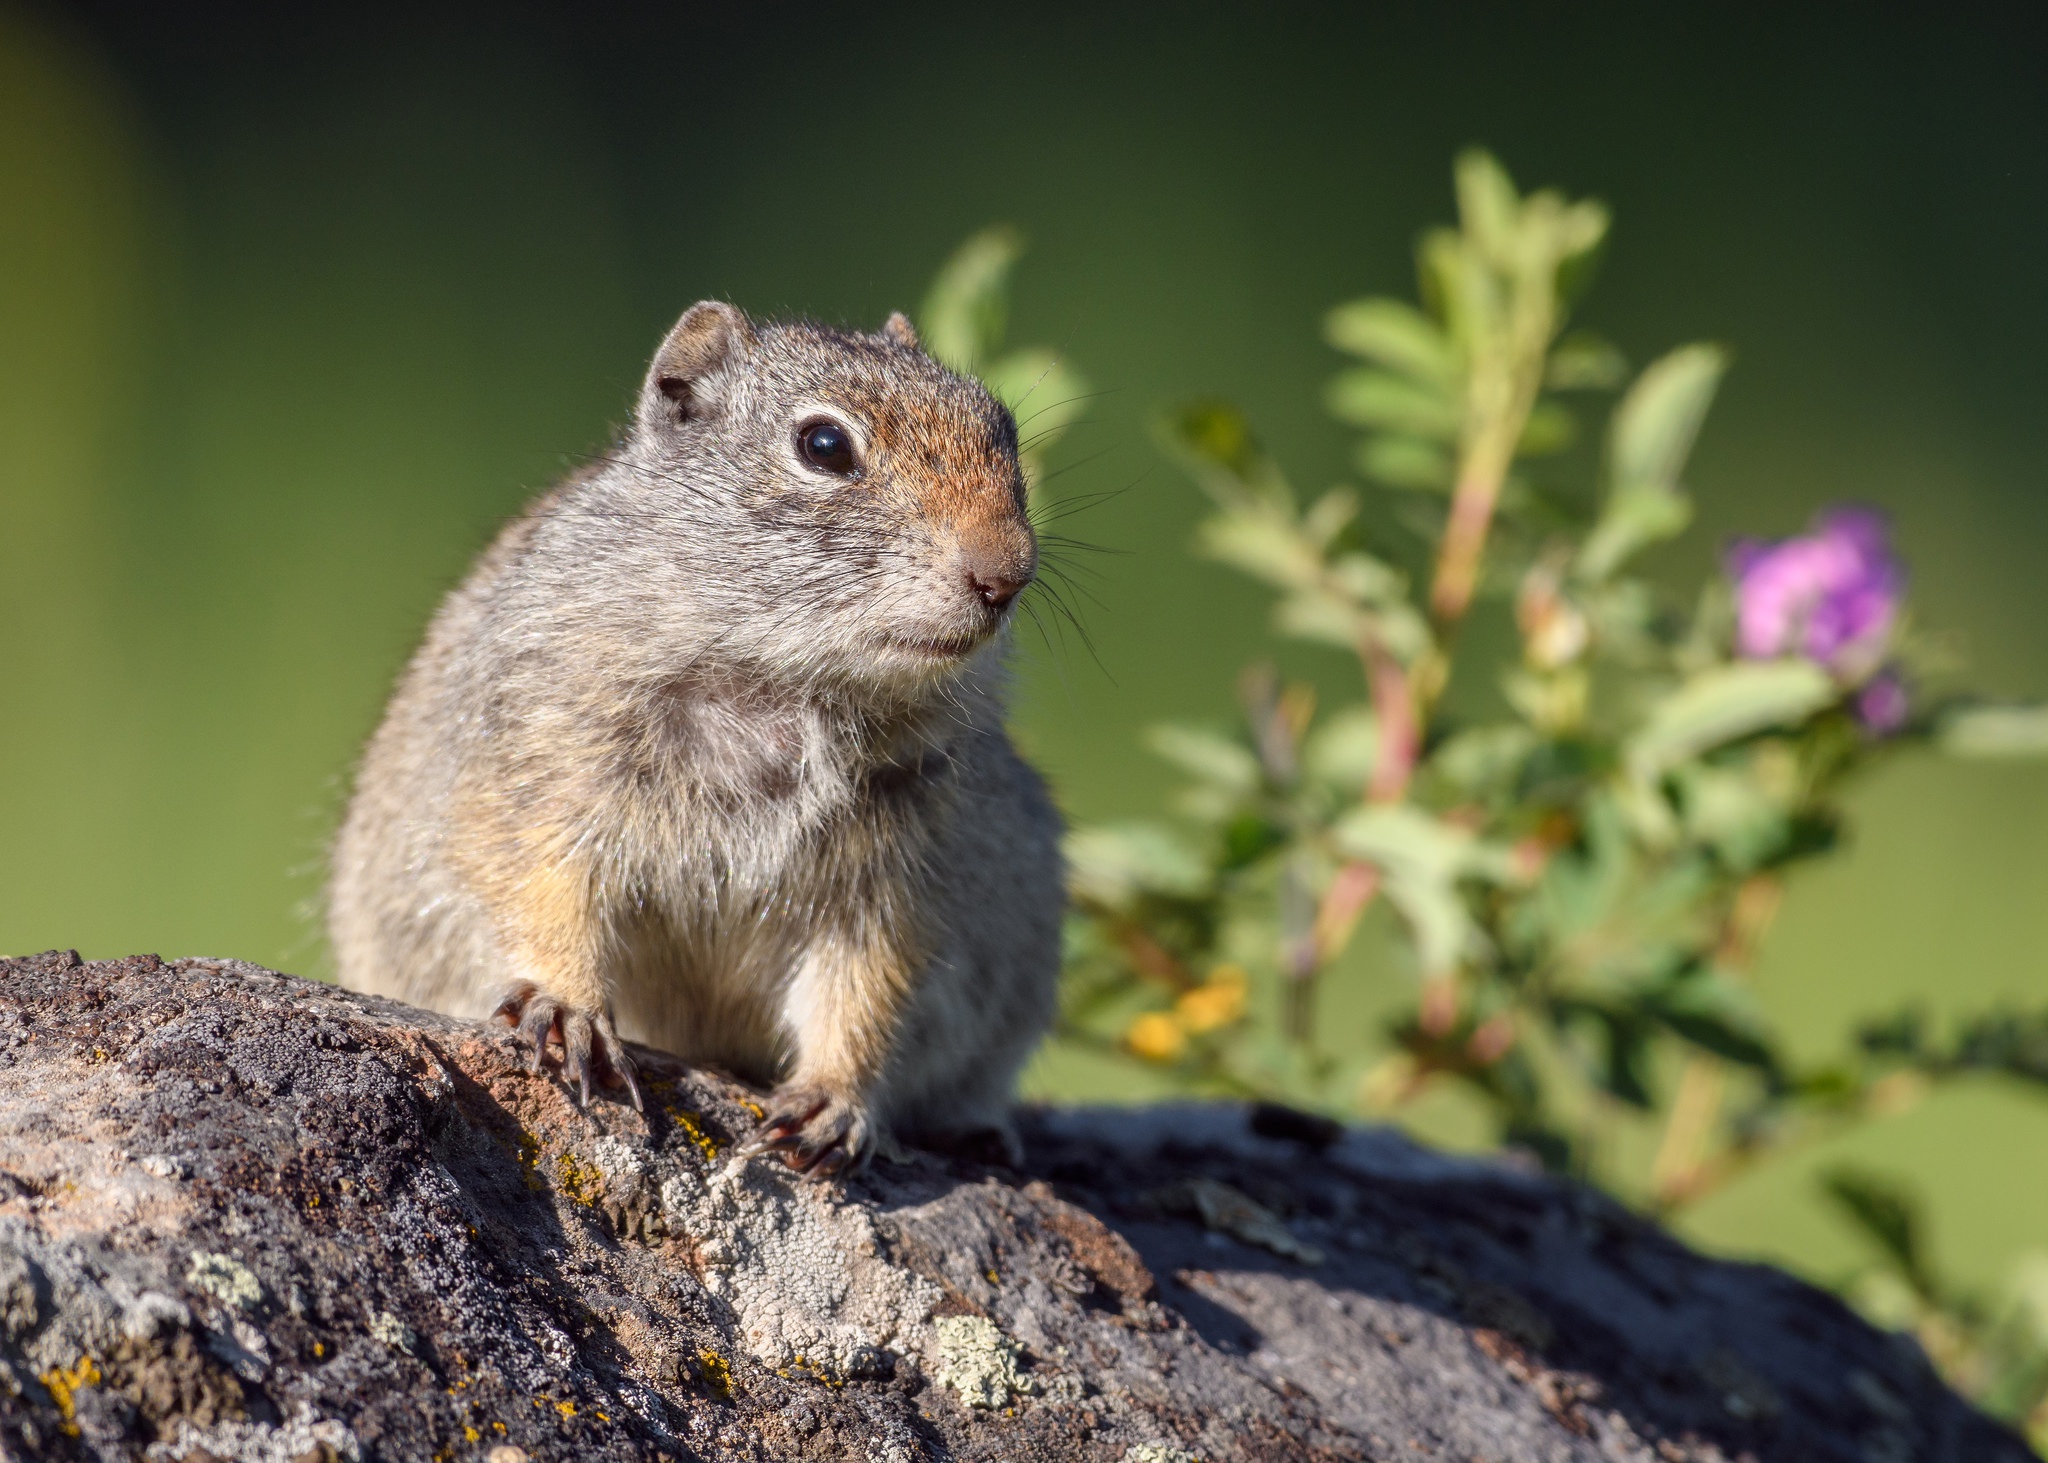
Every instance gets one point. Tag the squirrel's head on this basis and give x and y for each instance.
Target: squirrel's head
(845, 507)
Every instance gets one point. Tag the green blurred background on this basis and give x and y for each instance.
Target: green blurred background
(295, 310)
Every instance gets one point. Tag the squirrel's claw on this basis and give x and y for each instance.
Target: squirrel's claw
(535, 1015)
(590, 1043)
(815, 1132)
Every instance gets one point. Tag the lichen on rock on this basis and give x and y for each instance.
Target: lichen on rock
(802, 1270)
(226, 1279)
(979, 1362)
(302, 1438)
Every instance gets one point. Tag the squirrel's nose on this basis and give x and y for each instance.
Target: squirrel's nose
(997, 559)
(997, 587)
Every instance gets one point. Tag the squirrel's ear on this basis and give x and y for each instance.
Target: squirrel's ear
(707, 336)
(899, 329)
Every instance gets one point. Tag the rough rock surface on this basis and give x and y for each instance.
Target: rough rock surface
(246, 1216)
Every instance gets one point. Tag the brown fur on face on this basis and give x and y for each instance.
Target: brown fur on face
(711, 740)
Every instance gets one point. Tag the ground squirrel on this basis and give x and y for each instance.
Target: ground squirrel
(707, 752)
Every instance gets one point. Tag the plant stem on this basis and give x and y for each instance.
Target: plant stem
(1148, 957)
(1678, 1171)
(1344, 903)
(1677, 1168)
(1507, 374)
(1499, 399)
(1300, 955)
(1464, 547)
(1400, 723)
(1352, 892)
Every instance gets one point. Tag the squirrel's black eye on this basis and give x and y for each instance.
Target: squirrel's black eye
(827, 446)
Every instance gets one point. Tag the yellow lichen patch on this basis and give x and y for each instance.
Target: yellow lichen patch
(754, 1107)
(527, 1155)
(717, 1374)
(693, 1129)
(579, 1180)
(64, 1385)
(470, 1434)
(802, 1368)
(567, 1409)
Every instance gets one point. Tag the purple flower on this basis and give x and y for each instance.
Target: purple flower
(1831, 594)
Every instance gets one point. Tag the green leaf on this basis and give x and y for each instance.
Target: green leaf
(1994, 731)
(1205, 755)
(1453, 282)
(1655, 424)
(1580, 233)
(1444, 931)
(1484, 760)
(1648, 441)
(1405, 462)
(1584, 362)
(1722, 704)
(1396, 335)
(1888, 1214)
(1248, 838)
(1423, 860)
(1488, 207)
(1046, 394)
(965, 311)
(1550, 428)
(2011, 1042)
(1366, 579)
(1625, 1060)
(1213, 439)
(1731, 811)
(1311, 614)
(1402, 631)
(1633, 518)
(1584, 885)
(1329, 516)
(1369, 398)
(1626, 1071)
(1342, 749)
(1112, 864)
(1262, 545)
(1709, 1013)
(1402, 836)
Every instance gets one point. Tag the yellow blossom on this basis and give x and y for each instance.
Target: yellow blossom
(1156, 1037)
(1217, 1003)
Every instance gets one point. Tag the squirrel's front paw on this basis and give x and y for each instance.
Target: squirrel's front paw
(590, 1043)
(816, 1131)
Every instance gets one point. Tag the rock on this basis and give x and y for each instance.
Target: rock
(245, 1216)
